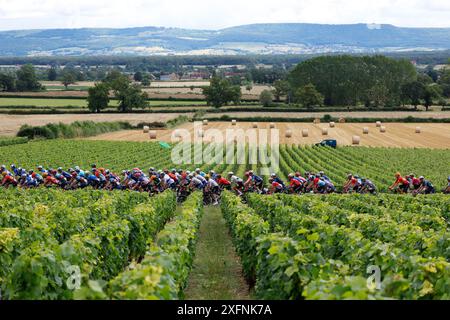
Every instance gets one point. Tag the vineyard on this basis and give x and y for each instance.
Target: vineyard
(377, 164)
(95, 245)
(321, 247)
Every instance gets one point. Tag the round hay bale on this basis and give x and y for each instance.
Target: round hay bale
(146, 129)
(305, 133)
(378, 124)
(288, 133)
(356, 140)
(324, 131)
(341, 120)
(382, 129)
(233, 122)
(332, 124)
(316, 120)
(365, 130)
(255, 125)
(152, 134)
(418, 129)
(205, 122)
(272, 125)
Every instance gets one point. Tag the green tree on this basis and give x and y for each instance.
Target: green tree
(377, 96)
(236, 80)
(281, 88)
(444, 82)
(98, 98)
(413, 92)
(52, 74)
(27, 79)
(145, 80)
(430, 93)
(220, 92)
(68, 78)
(308, 96)
(266, 98)
(129, 95)
(7, 82)
(138, 76)
(248, 86)
(113, 75)
(345, 80)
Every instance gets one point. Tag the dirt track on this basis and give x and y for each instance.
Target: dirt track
(397, 134)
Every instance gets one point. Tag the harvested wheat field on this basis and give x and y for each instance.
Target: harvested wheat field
(432, 135)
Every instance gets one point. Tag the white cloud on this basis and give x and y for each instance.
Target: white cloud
(216, 14)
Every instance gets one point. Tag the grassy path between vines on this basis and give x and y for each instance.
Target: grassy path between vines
(217, 271)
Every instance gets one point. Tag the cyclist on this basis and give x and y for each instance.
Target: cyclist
(447, 190)
(426, 187)
(8, 180)
(237, 184)
(275, 187)
(401, 184)
(212, 190)
(295, 184)
(223, 182)
(367, 186)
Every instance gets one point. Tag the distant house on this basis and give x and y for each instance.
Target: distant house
(195, 76)
(169, 77)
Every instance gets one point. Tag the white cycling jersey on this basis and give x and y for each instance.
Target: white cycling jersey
(212, 183)
(235, 180)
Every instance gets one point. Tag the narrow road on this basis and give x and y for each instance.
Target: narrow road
(217, 272)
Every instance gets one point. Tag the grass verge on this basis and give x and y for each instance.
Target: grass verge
(217, 272)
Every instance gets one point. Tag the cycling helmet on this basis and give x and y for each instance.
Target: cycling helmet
(60, 169)
(397, 174)
(13, 166)
(273, 175)
(202, 174)
(231, 173)
(39, 167)
(247, 174)
(45, 175)
(4, 173)
(421, 177)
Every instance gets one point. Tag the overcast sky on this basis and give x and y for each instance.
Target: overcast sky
(216, 14)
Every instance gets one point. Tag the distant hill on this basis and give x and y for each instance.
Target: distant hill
(296, 38)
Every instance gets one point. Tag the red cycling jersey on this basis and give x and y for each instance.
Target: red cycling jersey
(224, 182)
